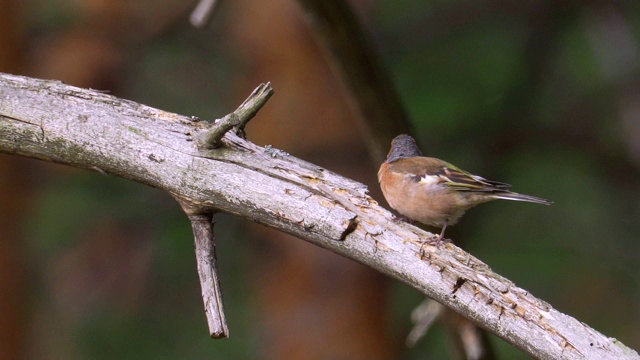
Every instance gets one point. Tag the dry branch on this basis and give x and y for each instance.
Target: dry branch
(87, 129)
(237, 120)
(201, 15)
(204, 238)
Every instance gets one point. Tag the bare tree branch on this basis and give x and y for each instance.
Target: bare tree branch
(87, 129)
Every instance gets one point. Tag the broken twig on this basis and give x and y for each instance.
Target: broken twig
(204, 237)
(210, 138)
(203, 12)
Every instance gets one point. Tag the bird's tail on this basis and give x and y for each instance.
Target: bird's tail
(521, 197)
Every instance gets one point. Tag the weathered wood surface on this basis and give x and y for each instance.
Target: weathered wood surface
(88, 129)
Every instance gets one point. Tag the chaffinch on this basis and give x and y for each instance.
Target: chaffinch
(433, 191)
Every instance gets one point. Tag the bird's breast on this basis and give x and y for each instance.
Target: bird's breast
(420, 198)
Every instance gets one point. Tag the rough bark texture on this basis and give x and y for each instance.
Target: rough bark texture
(87, 129)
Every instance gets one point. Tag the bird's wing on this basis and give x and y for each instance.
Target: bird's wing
(431, 171)
(461, 180)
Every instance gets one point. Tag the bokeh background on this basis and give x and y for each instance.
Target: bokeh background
(544, 95)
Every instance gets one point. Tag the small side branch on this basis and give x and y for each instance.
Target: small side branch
(202, 219)
(203, 12)
(423, 317)
(202, 225)
(466, 339)
(237, 120)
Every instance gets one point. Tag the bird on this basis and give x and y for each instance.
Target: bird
(435, 192)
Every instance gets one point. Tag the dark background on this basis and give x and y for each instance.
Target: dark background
(543, 95)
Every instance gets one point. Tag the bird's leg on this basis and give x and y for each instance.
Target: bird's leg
(439, 239)
(444, 227)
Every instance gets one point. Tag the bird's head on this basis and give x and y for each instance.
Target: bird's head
(402, 146)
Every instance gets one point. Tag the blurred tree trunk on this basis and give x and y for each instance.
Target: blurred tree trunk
(308, 297)
(13, 189)
(13, 274)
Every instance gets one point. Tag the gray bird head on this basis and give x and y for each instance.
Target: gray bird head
(403, 146)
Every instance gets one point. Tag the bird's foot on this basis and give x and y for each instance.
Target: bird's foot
(436, 240)
(439, 240)
(401, 219)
